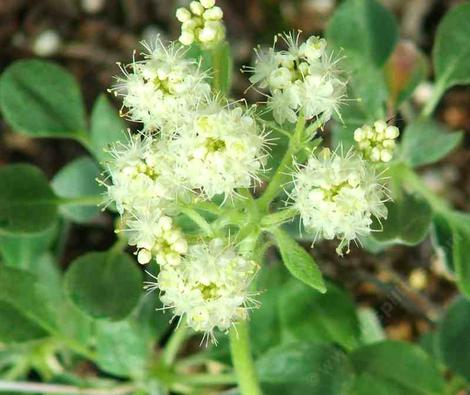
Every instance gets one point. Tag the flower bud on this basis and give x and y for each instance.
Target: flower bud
(196, 8)
(183, 14)
(207, 3)
(213, 14)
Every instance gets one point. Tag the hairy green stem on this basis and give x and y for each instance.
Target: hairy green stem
(278, 217)
(281, 173)
(242, 360)
(199, 220)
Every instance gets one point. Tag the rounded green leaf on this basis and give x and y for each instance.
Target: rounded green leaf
(408, 221)
(452, 238)
(27, 203)
(298, 261)
(365, 30)
(15, 327)
(309, 316)
(451, 50)
(78, 180)
(39, 98)
(425, 142)
(397, 368)
(106, 127)
(121, 348)
(104, 284)
(453, 339)
(304, 368)
(21, 290)
(22, 251)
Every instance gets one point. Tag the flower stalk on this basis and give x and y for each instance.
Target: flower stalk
(243, 361)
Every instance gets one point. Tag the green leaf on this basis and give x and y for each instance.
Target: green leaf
(27, 203)
(426, 142)
(121, 348)
(265, 325)
(369, 88)
(218, 64)
(15, 327)
(104, 284)
(408, 221)
(451, 50)
(397, 367)
(365, 30)
(124, 348)
(77, 326)
(375, 34)
(21, 291)
(367, 384)
(371, 328)
(298, 261)
(106, 127)
(78, 180)
(453, 340)
(22, 251)
(39, 98)
(310, 316)
(452, 236)
(304, 368)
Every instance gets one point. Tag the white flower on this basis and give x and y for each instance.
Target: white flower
(141, 175)
(377, 142)
(222, 150)
(163, 89)
(201, 23)
(302, 78)
(209, 286)
(338, 196)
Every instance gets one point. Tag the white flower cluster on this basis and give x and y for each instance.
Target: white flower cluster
(193, 147)
(222, 151)
(377, 142)
(161, 90)
(337, 196)
(209, 286)
(201, 23)
(302, 79)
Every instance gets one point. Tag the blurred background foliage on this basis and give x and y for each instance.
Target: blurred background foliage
(407, 289)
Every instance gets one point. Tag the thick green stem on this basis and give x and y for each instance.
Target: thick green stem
(174, 344)
(242, 360)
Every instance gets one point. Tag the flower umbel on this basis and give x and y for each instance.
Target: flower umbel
(337, 196)
(162, 89)
(201, 23)
(221, 150)
(377, 142)
(209, 286)
(302, 78)
(141, 175)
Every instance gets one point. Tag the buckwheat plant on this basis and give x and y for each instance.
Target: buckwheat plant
(208, 192)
